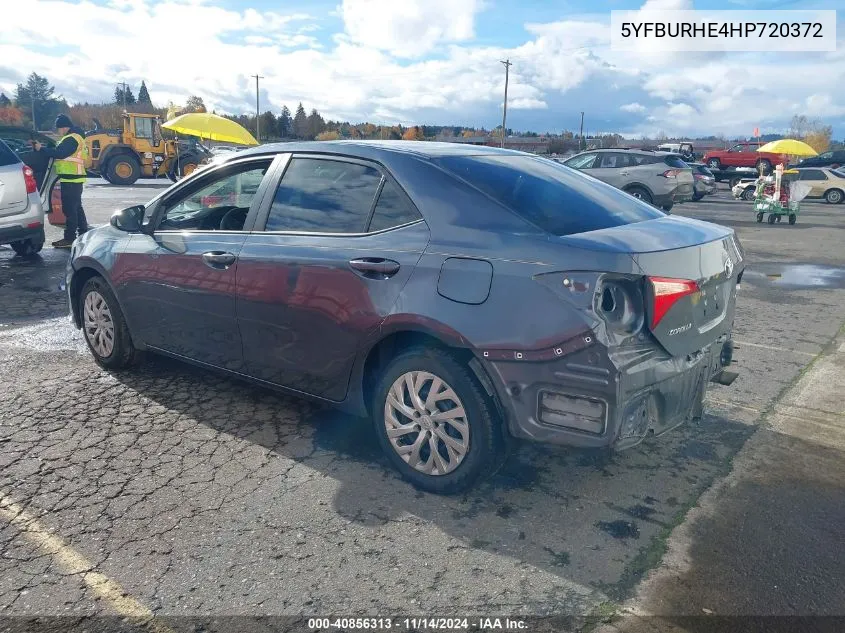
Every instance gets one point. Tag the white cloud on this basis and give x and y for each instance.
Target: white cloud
(633, 107)
(823, 105)
(527, 104)
(409, 28)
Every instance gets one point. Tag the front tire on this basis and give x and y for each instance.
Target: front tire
(748, 194)
(123, 170)
(30, 246)
(104, 326)
(714, 163)
(766, 166)
(435, 423)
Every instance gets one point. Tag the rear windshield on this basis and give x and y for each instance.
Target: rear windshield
(554, 197)
(7, 156)
(675, 161)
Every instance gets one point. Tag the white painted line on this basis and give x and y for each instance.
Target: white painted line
(776, 349)
(75, 563)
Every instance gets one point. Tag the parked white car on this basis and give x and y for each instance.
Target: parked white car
(21, 211)
(744, 189)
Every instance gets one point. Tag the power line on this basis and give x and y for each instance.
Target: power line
(508, 64)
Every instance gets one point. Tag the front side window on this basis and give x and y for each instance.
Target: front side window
(218, 203)
(144, 128)
(812, 174)
(318, 195)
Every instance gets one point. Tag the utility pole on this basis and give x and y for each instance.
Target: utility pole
(122, 86)
(508, 64)
(257, 109)
(34, 126)
(582, 146)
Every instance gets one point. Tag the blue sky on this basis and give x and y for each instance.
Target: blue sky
(423, 61)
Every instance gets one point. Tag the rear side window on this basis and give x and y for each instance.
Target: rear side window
(392, 209)
(324, 196)
(675, 161)
(555, 198)
(584, 161)
(7, 156)
(812, 174)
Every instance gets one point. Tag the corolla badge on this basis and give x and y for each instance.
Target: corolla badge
(729, 267)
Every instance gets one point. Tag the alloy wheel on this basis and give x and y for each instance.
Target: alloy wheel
(426, 423)
(99, 325)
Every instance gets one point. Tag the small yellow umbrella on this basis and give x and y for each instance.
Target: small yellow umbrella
(788, 146)
(210, 126)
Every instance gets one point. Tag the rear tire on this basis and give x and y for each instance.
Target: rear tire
(476, 441)
(29, 246)
(123, 169)
(833, 196)
(771, 218)
(760, 217)
(104, 326)
(765, 164)
(640, 193)
(793, 218)
(714, 163)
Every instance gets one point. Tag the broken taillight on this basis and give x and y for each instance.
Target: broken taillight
(666, 293)
(29, 179)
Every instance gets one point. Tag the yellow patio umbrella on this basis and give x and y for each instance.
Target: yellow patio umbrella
(788, 146)
(210, 126)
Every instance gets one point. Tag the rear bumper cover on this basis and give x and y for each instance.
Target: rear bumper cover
(9, 234)
(627, 395)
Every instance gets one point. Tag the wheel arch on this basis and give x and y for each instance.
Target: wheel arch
(639, 184)
(87, 269)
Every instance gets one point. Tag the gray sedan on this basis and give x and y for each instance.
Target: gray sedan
(457, 296)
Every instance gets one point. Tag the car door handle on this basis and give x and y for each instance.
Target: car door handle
(218, 259)
(375, 266)
(623, 173)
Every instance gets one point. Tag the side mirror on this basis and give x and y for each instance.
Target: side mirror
(128, 220)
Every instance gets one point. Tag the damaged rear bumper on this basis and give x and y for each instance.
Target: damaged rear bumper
(599, 398)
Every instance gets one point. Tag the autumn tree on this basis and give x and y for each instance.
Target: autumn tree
(300, 123)
(413, 134)
(328, 135)
(819, 138)
(144, 94)
(10, 115)
(284, 123)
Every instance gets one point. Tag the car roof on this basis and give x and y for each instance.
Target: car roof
(381, 149)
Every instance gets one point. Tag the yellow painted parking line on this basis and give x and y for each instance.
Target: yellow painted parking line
(75, 563)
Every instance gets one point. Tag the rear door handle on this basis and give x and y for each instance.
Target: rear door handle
(375, 266)
(218, 259)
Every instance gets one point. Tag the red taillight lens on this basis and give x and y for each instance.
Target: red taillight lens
(29, 179)
(671, 173)
(666, 293)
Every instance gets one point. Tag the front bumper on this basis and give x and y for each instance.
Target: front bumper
(591, 398)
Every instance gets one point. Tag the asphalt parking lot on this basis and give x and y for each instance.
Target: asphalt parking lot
(175, 491)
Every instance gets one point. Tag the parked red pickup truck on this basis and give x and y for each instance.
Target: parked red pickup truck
(743, 155)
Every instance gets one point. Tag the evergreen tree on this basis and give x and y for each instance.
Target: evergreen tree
(285, 123)
(144, 94)
(300, 123)
(5, 102)
(316, 124)
(37, 93)
(118, 96)
(269, 126)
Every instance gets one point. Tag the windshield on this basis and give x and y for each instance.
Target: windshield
(554, 197)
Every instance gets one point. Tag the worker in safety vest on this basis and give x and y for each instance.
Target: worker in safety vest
(69, 156)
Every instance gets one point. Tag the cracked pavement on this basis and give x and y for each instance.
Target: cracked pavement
(201, 495)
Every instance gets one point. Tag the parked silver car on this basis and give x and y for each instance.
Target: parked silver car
(21, 212)
(659, 178)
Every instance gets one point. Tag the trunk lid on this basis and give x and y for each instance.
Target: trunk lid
(13, 196)
(680, 249)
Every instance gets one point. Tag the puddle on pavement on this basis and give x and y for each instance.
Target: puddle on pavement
(797, 275)
(51, 335)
